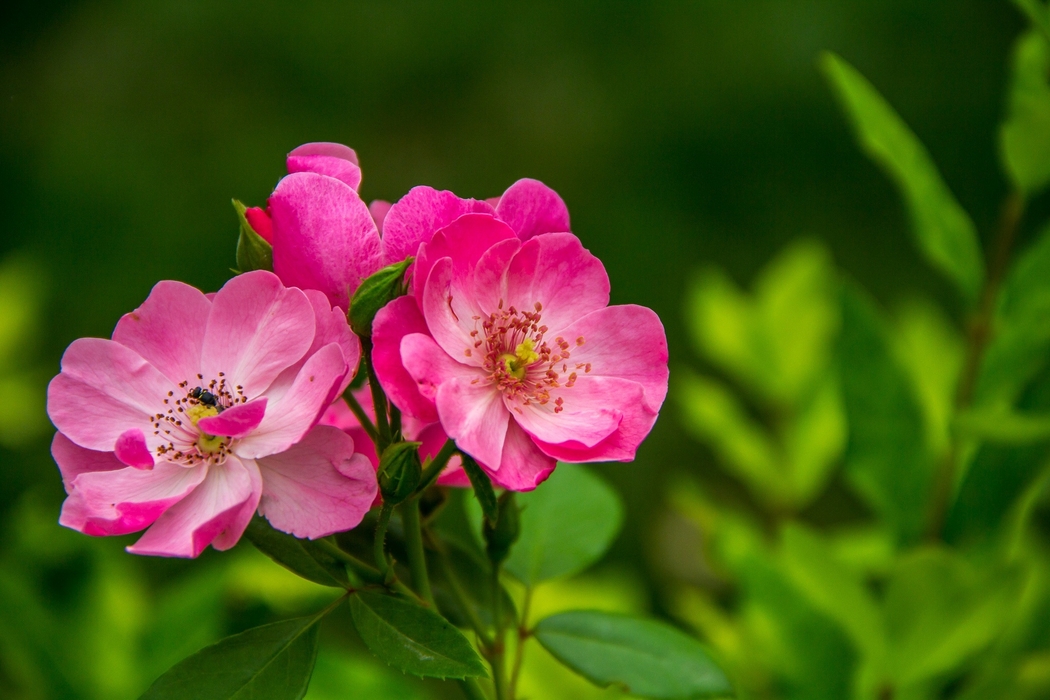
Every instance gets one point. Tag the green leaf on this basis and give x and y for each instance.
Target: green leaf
(301, 557)
(375, 292)
(940, 610)
(1038, 14)
(269, 662)
(566, 525)
(886, 457)
(1003, 426)
(1025, 135)
(253, 252)
(413, 639)
(483, 490)
(644, 657)
(943, 230)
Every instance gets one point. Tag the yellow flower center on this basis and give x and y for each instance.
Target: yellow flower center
(208, 444)
(524, 355)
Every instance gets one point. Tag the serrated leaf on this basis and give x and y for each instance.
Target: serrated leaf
(482, 485)
(886, 456)
(301, 557)
(1025, 135)
(645, 657)
(566, 525)
(253, 252)
(272, 662)
(943, 230)
(413, 639)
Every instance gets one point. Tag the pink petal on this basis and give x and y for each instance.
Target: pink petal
(623, 341)
(415, 218)
(256, 329)
(379, 209)
(490, 279)
(317, 487)
(185, 529)
(465, 241)
(104, 389)
(591, 410)
(523, 466)
(168, 329)
(323, 236)
(453, 316)
(238, 523)
(74, 460)
(132, 450)
(474, 416)
(331, 159)
(394, 321)
(433, 438)
(430, 366)
(532, 208)
(556, 271)
(291, 416)
(339, 415)
(260, 222)
(621, 446)
(126, 500)
(236, 421)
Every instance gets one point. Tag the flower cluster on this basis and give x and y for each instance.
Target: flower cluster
(205, 409)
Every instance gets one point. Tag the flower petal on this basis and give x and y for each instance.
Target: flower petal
(331, 159)
(452, 316)
(238, 523)
(260, 222)
(104, 388)
(74, 460)
(318, 486)
(415, 218)
(394, 321)
(126, 500)
(339, 415)
(323, 236)
(465, 241)
(289, 417)
(236, 421)
(591, 410)
(168, 329)
(620, 446)
(474, 416)
(186, 528)
(430, 366)
(523, 466)
(623, 341)
(532, 208)
(256, 329)
(379, 209)
(556, 271)
(132, 450)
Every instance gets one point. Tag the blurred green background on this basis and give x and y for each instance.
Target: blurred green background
(682, 136)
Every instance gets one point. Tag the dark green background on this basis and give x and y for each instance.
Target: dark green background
(679, 134)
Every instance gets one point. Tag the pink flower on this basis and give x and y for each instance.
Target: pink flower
(324, 236)
(202, 410)
(511, 344)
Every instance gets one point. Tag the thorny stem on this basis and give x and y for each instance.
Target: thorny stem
(523, 634)
(379, 546)
(433, 471)
(980, 333)
(417, 563)
(359, 413)
(497, 648)
(366, 572)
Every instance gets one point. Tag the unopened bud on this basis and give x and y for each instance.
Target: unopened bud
(399, 472)
(253, 251)
(375, 292)
(504, 533)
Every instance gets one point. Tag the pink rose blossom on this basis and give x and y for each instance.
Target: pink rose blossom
(509, 341)
(202, 410)
(325, 237)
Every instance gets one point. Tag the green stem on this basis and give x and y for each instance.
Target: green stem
(378, 397)
(359, 413)
(980, 334)
(523, 634)
(366, 572)
(496, 649)
(461, 600)
(379, 546)
(437, 465)
(471, 690)
(417, 563)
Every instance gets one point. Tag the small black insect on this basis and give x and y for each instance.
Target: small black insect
(205, 397)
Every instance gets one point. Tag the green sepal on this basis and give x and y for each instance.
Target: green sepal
(501, 535)
(482, 485)
(375, 292)
(253, 252)
(399, 472)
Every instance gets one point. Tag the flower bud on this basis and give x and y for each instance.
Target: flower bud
(374, 293)
(253, 252)
(500, 537)
(399, 472)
